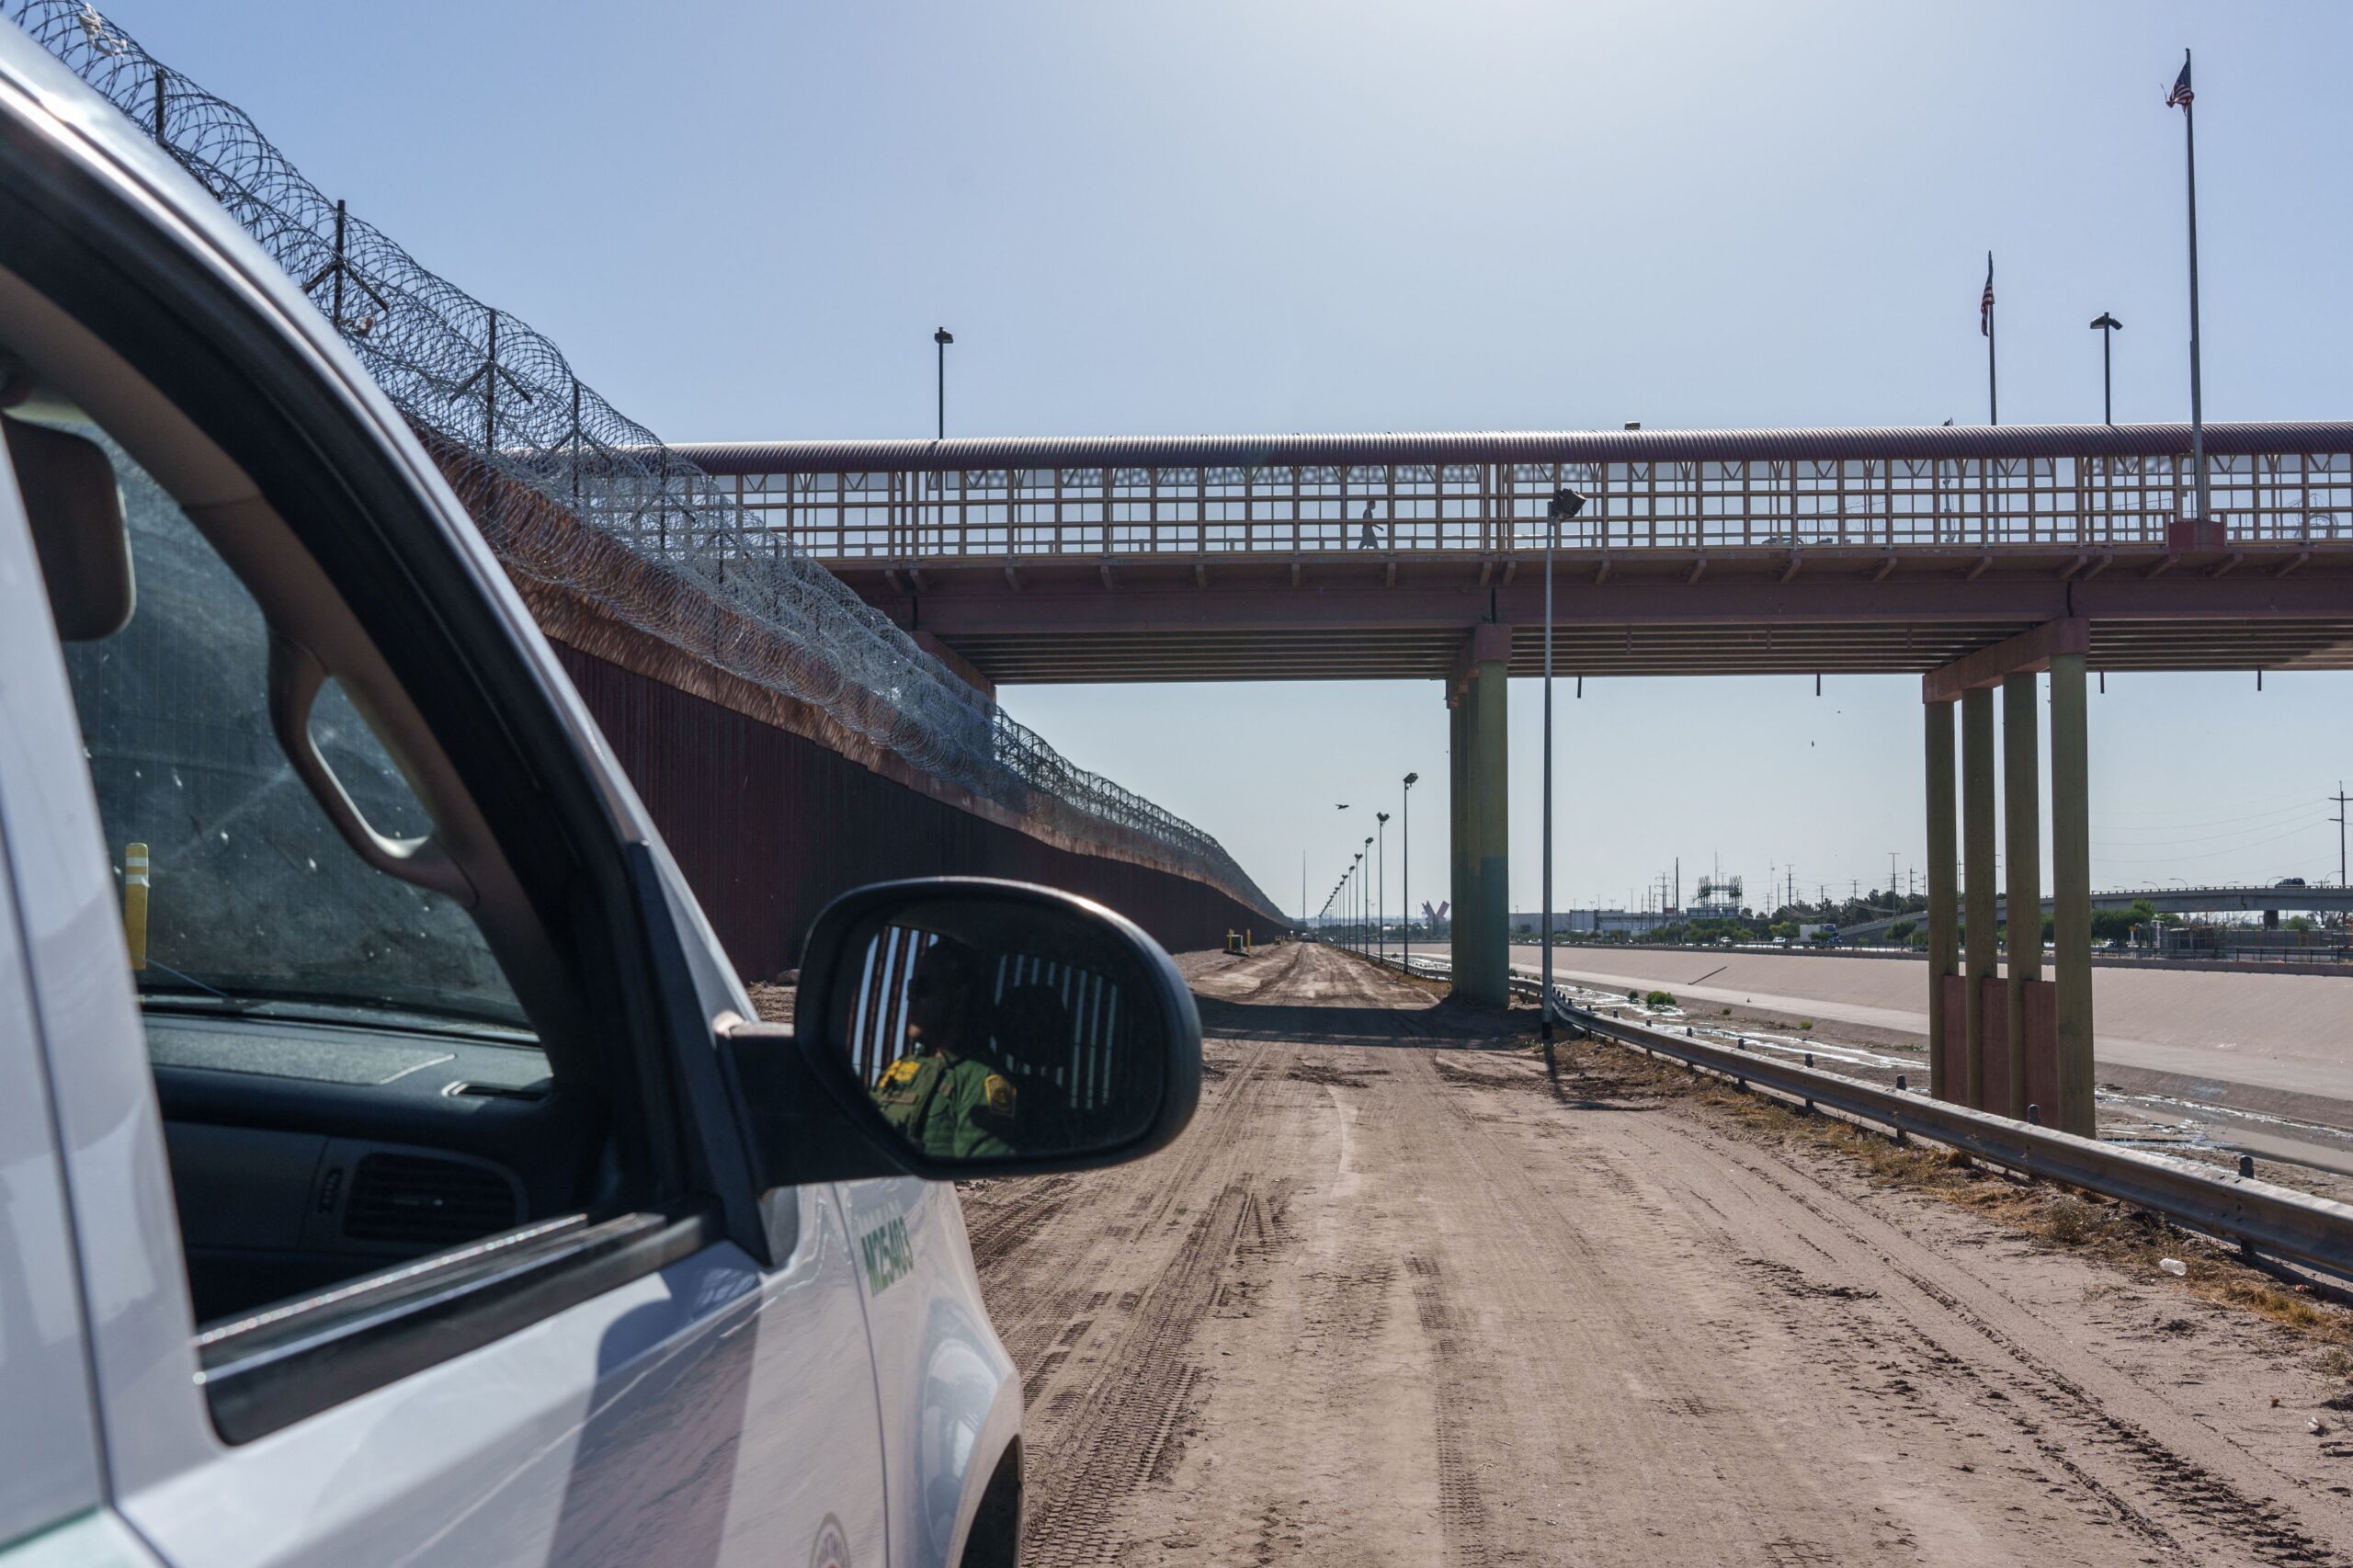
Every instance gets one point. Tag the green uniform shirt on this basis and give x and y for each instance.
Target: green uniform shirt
(956, 1110)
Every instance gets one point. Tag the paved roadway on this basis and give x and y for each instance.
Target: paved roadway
(2291, 1033)
(1394, 1299)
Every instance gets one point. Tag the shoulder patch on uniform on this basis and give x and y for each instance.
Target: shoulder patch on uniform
(999, 1091)
(902, 1071)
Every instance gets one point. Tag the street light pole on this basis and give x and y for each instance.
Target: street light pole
(1359, 908)
(1405, 861)
(1565, 503)
(1366, 895)
(1380, 895)
(943, 337)
(2107, 327)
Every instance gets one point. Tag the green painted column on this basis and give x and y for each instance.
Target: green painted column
(1458, 836)
(1490, 882)
(1944, 911)
(1977, 880)
(2071, 891)
(2022, 871)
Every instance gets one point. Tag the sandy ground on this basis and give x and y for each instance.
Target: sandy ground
(1393, 1298)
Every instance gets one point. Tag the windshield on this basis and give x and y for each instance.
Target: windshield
(251, 895)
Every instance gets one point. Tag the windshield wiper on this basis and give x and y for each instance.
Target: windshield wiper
(368, 1012)
(234, 1003)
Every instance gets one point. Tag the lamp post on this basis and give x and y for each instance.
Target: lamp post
(1380, 892)
(1565, 503)
(1365, 896)
(1405, 861)
(1356, 904)
(2107, 327)
(943, 337)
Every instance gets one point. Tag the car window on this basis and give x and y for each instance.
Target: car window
(252, 895)
(360, 1115)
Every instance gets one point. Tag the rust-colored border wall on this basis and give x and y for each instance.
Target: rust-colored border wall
(769, 826)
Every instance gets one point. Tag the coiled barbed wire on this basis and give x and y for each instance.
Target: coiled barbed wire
(502, 409)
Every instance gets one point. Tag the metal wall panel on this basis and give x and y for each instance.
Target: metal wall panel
(768, 827)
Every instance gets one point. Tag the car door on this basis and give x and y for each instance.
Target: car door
(49, 1489)
(648, 1380)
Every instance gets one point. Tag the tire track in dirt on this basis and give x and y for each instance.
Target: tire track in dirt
(2123, 1472)
(1396, 1300)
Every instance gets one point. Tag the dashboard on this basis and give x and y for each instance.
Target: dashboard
(305, 1152)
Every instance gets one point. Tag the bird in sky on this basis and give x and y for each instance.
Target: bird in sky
(1341, 807)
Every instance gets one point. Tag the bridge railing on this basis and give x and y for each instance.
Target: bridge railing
(1111, 510)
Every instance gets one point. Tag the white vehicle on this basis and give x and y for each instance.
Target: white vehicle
(389, 1172)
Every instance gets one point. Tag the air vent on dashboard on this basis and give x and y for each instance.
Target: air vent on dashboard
(415, 1201)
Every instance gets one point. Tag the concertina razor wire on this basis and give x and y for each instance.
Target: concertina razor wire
(485, 390)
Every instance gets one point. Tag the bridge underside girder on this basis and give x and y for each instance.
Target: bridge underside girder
(1367, 615)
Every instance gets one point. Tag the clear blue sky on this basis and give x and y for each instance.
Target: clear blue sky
(744, 221)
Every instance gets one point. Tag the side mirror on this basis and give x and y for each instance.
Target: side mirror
(963, 1026)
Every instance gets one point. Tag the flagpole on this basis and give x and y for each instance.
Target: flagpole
(1992, 392)
(2197, 400)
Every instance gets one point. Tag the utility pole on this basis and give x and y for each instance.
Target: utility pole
(2338, 818)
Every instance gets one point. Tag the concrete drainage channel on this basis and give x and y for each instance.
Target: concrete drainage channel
(2255, 1214)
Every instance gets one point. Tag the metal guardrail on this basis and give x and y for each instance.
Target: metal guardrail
(2257, 1214)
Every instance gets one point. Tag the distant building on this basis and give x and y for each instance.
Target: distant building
(1597, 922)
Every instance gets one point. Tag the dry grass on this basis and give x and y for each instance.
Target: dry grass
(2130, 1240)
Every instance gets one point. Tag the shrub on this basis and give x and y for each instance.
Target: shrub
(1659, 1001)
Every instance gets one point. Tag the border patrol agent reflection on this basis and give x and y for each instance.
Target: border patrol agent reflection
(949, 1105)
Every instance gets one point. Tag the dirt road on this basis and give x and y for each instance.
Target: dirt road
(1395, 1299)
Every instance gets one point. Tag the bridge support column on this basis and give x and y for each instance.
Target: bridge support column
(1482, 846)
(1978, 964)
(2005, 1055)
(1944, 912)
(1459, 815)
(2022, 851)
(2071, 888)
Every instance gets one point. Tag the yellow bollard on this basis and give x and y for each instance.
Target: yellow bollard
(134, 902)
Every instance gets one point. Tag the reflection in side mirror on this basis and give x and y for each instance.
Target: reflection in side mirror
(963, 1026)
(987, 1031)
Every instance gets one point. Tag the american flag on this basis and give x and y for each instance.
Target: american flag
(1986, 305)
(2181, 95)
